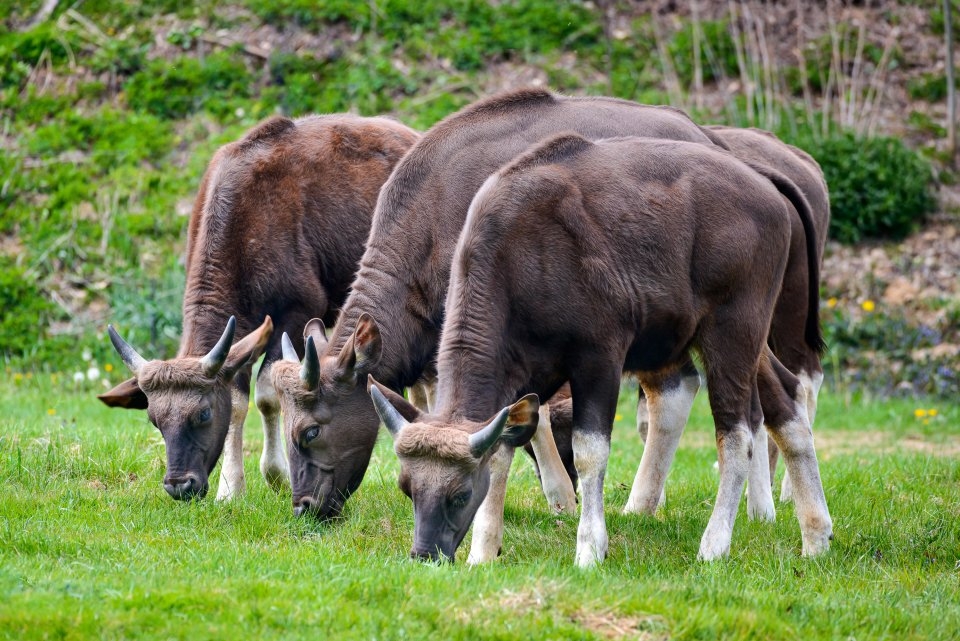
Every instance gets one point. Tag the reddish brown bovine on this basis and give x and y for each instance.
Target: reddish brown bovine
(580, 260)
(402, 280)
(278, 226)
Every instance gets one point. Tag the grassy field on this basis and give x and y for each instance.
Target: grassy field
(91, 546)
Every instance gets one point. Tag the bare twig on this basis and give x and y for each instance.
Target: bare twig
(250, 50)
(46, 10)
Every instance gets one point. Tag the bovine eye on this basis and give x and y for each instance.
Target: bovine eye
(204, 415)
(310, 434)
(461, 499)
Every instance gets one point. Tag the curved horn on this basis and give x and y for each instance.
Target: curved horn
(310, 372)
(216, 357)
(483, 440)
(289, 351)
(388, 413)
(130, 357)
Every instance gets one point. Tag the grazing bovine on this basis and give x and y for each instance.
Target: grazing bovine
(580, 260)
(402, 281)
(787, 334)
(278, 226)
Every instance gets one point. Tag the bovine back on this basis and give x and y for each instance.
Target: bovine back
(281, 219)
(403, 275)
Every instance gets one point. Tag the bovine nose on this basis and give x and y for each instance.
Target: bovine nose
(431, 557)
(182, 488)
(306, 505)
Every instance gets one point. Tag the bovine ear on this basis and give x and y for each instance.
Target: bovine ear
(247, 350)
(407, 409)
(361, 353)
(316, 328)
(522, 421)
(127, 395)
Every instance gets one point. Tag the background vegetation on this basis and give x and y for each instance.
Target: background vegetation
(110, 111)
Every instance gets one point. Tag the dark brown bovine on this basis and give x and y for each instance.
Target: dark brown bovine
(787, 332)
(403, 275)
(583, 259)
(277, 229)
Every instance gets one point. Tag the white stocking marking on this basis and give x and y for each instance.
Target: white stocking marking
(668, 413)
(232, 483)
(488, 523)
(590, 454)
(759, 495)
(273, 459)
(556, 484)
(734, 467)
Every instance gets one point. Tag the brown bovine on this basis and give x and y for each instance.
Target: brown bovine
(278, 226)
(786, 335)
(403, 275)
(583, 259)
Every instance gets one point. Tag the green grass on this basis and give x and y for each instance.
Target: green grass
(91, 547)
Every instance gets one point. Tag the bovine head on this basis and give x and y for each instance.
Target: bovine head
(329, 423)
(444, 467)
(189, 400)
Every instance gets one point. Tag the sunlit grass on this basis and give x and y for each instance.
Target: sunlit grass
(91, 547)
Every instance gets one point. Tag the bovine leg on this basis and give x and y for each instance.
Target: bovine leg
(595, 393)
(669, 400)
(273, 460)
(785, 406)
(488, 523)
(759, 494)
(557, 487)
(232, 482)
(811, 384)
(423, 394)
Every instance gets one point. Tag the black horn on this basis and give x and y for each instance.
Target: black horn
(391, 418)
(310, 372)
(130, 356)
(289, 351)
(214, 360)
(482, 441)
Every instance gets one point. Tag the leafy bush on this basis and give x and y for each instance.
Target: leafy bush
(718, 54)
(25, 309)
(173, 90)
(931, 87)
(878, 187)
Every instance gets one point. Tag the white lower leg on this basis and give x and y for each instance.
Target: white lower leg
(556, 484)
(811, 386)
(668, 412)
(232, 482)
(795, 440)
(590, 453)
(273, 459)
(759, 495)
(733, 451)
(488, 523)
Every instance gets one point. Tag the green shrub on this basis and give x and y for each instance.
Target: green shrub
(174, 90)
(718, 54)
(879, 188)
(931, 87)
(25, 309)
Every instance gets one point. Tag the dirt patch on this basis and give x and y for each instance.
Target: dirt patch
(611, 625)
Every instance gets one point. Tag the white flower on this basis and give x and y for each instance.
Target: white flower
(86, 355)
(78, 377)
(93, 373)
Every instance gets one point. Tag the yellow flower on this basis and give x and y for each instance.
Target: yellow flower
(108, 367)
(831, 302)
(919, 412)
(29, 375)
(51, 411)
(868, 305)
(618, 417)
(932, 411)
(17, 377)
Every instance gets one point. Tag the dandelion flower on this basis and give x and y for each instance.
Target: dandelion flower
(108, 368)
(17, 377)
(932, 412)
(51, 411)
(920, 412)
(78, 377)
(831, 302)
(618, 417)
(93, 373)
(86, 355)
(868, 305)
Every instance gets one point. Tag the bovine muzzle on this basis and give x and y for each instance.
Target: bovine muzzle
(428, 556)
(185, 487)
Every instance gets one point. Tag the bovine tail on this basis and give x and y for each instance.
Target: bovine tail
(812, 333)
